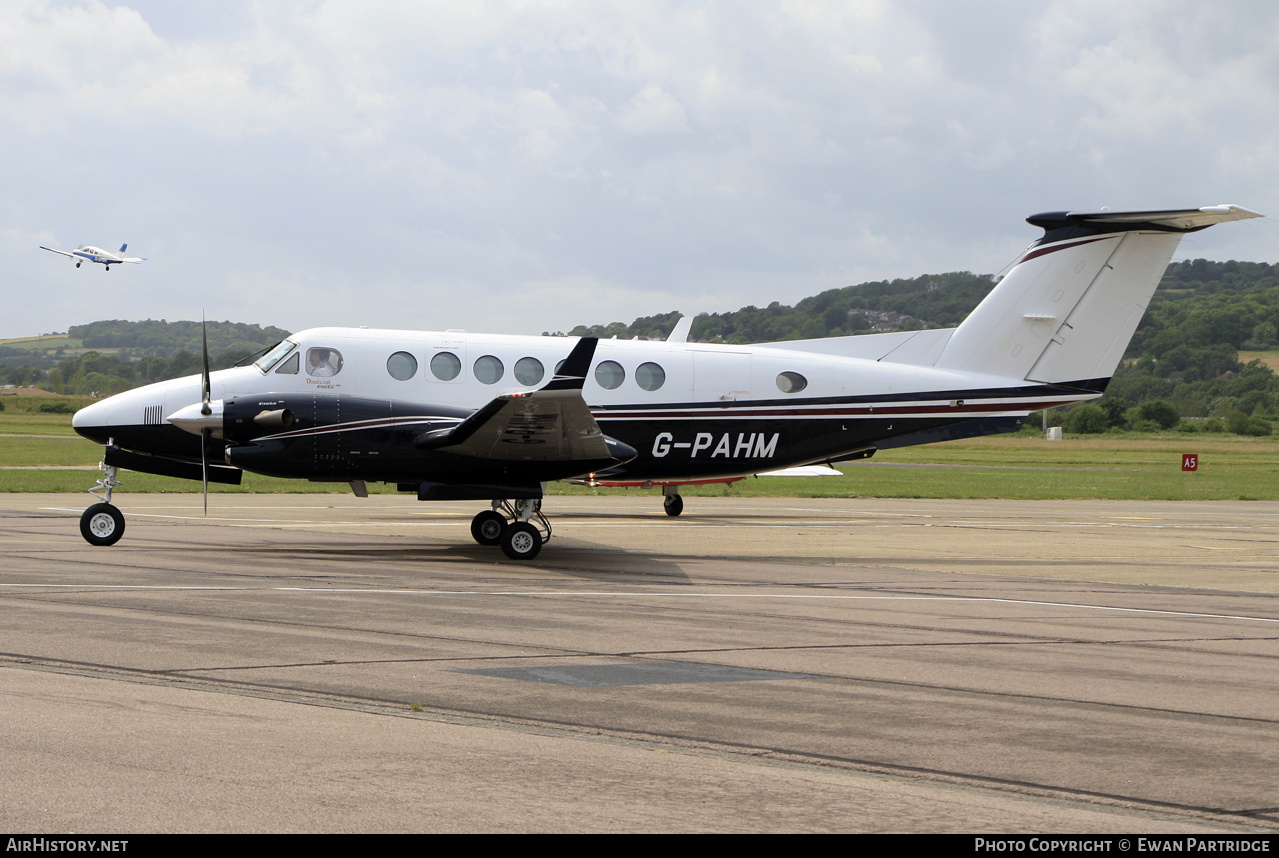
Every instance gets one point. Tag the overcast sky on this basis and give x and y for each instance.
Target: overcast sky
(529, 166)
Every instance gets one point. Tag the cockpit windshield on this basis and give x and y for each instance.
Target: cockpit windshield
(272, 357)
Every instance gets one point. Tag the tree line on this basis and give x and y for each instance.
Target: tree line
(140, 353)
(1181, 369)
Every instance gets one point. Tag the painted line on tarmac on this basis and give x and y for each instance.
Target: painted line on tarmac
(659, 595)
(825, 596)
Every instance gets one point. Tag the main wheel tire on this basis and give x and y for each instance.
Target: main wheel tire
(521, 541)
(102, 524)
(673, 504)
(487, 526)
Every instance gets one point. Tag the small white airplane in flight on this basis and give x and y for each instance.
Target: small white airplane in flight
(450, 415)
(97, 254)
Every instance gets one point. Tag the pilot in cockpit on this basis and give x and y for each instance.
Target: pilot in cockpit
(322, 363)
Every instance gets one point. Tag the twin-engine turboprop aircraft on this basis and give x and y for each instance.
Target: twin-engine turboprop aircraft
(458, 416)
(96, 254)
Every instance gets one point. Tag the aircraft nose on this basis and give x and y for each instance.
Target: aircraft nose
(94, 421)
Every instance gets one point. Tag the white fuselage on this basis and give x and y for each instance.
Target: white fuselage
(691, 409)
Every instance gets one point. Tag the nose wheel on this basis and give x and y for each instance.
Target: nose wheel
(102, 524)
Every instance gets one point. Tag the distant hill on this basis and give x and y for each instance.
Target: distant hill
(132, 341)
(110, 356)
(1240, 296)
(930, 301)
(165, 339)
(1185, 352)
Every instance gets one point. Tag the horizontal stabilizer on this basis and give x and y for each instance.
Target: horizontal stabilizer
(1180, 220)
(917, 348)
(804, 471)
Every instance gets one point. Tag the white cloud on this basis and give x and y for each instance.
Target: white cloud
(526, 164)
(653, 111)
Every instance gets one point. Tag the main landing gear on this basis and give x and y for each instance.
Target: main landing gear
(519, 527)
(671, 500)
(102, 523)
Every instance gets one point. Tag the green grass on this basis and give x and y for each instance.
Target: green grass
(1121, 466)
(1269, 358)
(48, 341)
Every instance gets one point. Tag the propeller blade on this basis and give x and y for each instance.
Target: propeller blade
(206, 394)
(205, 387)
(204, 466)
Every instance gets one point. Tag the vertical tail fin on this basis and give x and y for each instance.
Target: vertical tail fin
(1069, 307)
(123, 247)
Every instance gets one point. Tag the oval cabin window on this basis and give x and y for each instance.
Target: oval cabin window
(791, 382)
(610, 375)
(402, 366)
(650, 376)
(529, 370)
(488, 370)
(445, 366)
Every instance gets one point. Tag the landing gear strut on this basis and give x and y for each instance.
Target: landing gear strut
(102, 523)
(518, 527)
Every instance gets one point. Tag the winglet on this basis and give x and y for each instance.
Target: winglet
(572, 374)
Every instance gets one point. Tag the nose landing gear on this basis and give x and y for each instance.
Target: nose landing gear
(102, 523)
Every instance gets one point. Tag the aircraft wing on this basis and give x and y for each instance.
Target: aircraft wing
(63, 252)
(552, 424)
(134, 259)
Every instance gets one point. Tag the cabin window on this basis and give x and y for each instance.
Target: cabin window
(322, 363)
(402, 366)
(529, 370)
(610, 375)
(488, 370)
(791, 382)
(290, 366)
(650, 376)
(445, 366)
